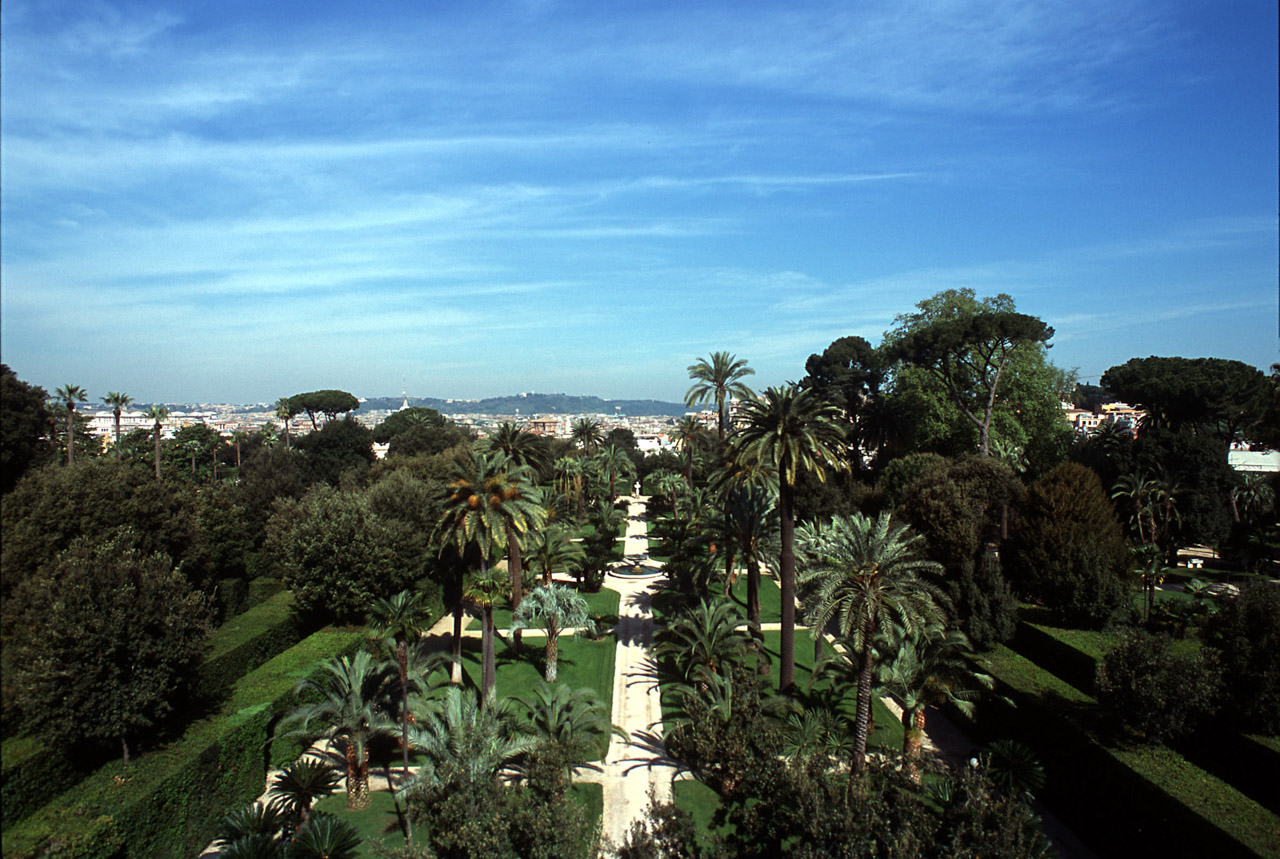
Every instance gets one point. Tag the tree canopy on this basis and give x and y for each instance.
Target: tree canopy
(24, 423)
(1199, 395)
(329, 403)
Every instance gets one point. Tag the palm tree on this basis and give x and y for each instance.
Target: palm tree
(118, 402)
(670, 484)
(554, 608)
(401, 619)
(614, 463)
(252, 830)
(789, 430)
(750, 528)
(707, 637)
(931, 668)
(285, 412)
(157, 415)
(301, 783)
(350, 712)
(326, 837)
(1135, 491)
(519, 446)
(570, 470)
(70, 395)
(588, 433)
(468, 741)
(717, 380)
(239, 437)
(690, 436)
(572, 719)
(554, 551)
(865, 576)
(489, 505)
(485, 590)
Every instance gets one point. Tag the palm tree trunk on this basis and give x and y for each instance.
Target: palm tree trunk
(517, 580)
(487, 667)
(124, 745)
(71, 433)
(402, 659)
(157, 451)
(787, 572)
(862, 715)
(753, 612)
(117, 416)
(553, 650)
(357, 777)
(455, 644)
(912, 741)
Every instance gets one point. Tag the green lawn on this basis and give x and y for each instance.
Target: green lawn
(383, 820)
(770, 597)
(699, 800)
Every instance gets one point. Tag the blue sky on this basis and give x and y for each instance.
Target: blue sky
(238, 201)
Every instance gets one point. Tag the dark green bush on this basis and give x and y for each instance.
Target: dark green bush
(1246, 635)
(168, 802)
(1159, 694)
(228, 598)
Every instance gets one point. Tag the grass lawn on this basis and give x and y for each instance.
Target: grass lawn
(770, 597)
(383, 820)
(602, 605)
(699, 800)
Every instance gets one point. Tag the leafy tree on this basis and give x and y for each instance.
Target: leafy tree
(716, 380)
(1067, 552)
(270, 473)
(1197, 395)
(967, 347)
(554, 608)
(329, 403)
(427, 440)
(984, 604)
(190, 453)
(849, 373)
(404, 420)
(70, 395)
(866, 576)
(337, 555)
(348, 711)
(23, 426)
(1158, 693)
(118, 402)
(1197, 482)
(790, 431)
(227, 534)
(957, 505)
(108, 642)
(338, 447)
(1245, 633)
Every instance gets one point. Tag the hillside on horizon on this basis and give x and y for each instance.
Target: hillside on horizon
(532, 404)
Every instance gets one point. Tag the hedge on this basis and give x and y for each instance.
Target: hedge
(1071, 654)
(168, 802)
(262, 589)
(245, 642)
(1131, 801)
(33, 774)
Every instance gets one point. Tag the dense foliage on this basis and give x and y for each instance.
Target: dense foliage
(1245, 634)
(1158, 693)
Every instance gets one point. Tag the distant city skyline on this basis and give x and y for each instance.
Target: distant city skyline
(240, 201)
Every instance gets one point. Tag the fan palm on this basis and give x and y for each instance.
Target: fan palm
(554, 608)
(157, 415)
(70, 395)
(554, 551)
(865, 576)
(791, 431)
(350, 712)
(401, 619)
(933, 667)
(118, 402)
(717, 380)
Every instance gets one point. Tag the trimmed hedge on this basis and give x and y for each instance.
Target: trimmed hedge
(262, 589)
(1063, 652)
(1131, 801)
(229, 596)
(245, 642)
(30, 776)
(169, 802)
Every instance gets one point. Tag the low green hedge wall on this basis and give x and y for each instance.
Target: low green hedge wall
(1064, 652)
(168, 803)
(262, 589)
(1141, 800)
(245, 642)
(30, 776)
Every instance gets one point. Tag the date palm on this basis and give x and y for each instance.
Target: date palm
(690, 436)
(614, 463)
(554, 551)
(572, 719)
(790, 431)
(716, 381)
(70, 395)
(485, 590)
(519, 446)
(865, 576)
(588, 434)
(118, 402)
(554, 608)
(750, 532)
(157, 415)
(402, 620)
(348, 711)
(571, 472)
(706, 637)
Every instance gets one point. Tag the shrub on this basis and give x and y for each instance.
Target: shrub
(1159, 694)
(1245, 633)
(984, 603)
(1067, 551)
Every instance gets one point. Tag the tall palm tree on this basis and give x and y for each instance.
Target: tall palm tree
(554, 608)
(489, 505)
(349, 711)
(239, 437)
(157, 415)
(70, 395)
(931, 668)
(401, 619)
(570, 470)
(717, 380)
(791, 431)
(588, 433)
(866, 576)
(670, 484)
(485, 590)
(554, 551)
(690, 435)
(285, 412)
(750, 532)
(118, 402)
(1134, 491)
